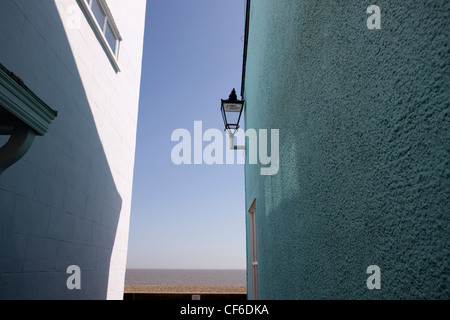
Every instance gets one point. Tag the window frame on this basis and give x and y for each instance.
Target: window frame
(101, 30)
(253, 250)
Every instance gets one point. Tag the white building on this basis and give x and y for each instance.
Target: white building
(71, 77)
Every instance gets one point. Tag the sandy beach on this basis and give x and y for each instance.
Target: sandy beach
(185, 289)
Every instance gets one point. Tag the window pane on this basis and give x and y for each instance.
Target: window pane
(98, 13)
(111, 38)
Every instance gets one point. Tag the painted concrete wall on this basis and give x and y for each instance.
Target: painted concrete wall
(67, 202)
(364, 120)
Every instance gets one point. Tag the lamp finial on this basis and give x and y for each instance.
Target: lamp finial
(233, 96)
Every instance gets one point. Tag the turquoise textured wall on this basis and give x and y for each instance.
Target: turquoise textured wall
(364, 120)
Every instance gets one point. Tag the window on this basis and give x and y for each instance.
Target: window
(100, 18)
(253, 250)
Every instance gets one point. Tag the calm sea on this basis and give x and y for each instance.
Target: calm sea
(185, 277)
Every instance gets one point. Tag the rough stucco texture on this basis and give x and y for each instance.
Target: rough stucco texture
(364, 122)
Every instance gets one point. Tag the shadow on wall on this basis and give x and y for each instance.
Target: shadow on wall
(59, 205)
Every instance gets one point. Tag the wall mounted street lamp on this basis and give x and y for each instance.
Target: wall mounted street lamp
(231, 113)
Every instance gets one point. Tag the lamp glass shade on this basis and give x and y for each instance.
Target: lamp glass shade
(231, 111)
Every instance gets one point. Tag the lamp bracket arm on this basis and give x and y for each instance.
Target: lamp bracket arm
(232, 146)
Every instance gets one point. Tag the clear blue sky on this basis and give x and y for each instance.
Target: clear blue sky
(187, 216)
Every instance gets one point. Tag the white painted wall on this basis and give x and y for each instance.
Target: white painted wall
(68, 200)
